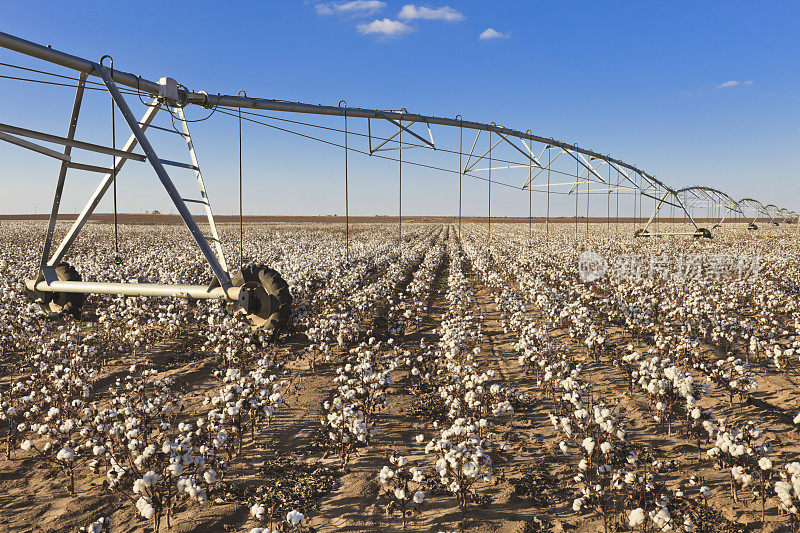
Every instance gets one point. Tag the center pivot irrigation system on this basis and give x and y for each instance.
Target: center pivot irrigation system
(260, 291)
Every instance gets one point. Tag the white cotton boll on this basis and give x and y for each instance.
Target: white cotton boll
(139, 486)
(150, 479)
(210, 476)
(764, 463)
(563, 447)
(26, 445)
(737, 450)
(588, 445)
(65, 454)
(257, 511)
(470, 470)
(294, 517)
(400, 494)
(148, 512)
(577, 504)
(705, 491)
(606, 447)
(636, 517)
(419, 497)
(420, 438)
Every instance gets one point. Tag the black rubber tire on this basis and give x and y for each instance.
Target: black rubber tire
(641, 233)
(277, 289)
(61, 303)
(752, 226)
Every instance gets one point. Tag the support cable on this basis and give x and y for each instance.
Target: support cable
(400, 194)
(641, 184)
(577, 195)
(530, 202)
(608, 202)
(241, 203)
(489, 199)
(460, 169)
(616, 225)
(388, 158)
(346, 192)
(222, 109)
(117, 257)
(547, 221)
(588, 195)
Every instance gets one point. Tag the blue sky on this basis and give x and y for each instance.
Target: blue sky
(647, 82)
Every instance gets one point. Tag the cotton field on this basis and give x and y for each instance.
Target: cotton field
(528, 378)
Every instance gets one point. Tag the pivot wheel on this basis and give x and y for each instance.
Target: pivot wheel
(752, 226)
(703, 232)
(60, 303)
(265, 298)
(641, 233)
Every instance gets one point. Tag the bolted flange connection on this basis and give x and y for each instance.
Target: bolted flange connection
(256, 304)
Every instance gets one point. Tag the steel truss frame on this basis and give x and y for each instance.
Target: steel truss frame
(754, 207)
(47, 282)
(718, 204)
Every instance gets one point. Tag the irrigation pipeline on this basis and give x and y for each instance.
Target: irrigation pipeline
(205, 100)
(234, 113)
(234, 105)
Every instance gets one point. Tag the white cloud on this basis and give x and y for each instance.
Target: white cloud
(354, 7)
(491, 33)
(734, 83)
(385, 27)
(446, 13)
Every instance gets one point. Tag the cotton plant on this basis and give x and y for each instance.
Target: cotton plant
(463, 460)
(622, 485)
(46, 412)
(745, 452)
(733, 377)
(244, 402)
(362, 391)
(293, 521)
(787, 492)
(404, 483)
(148, 456)
(672, 392)
(98, 526)
(414, 306)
